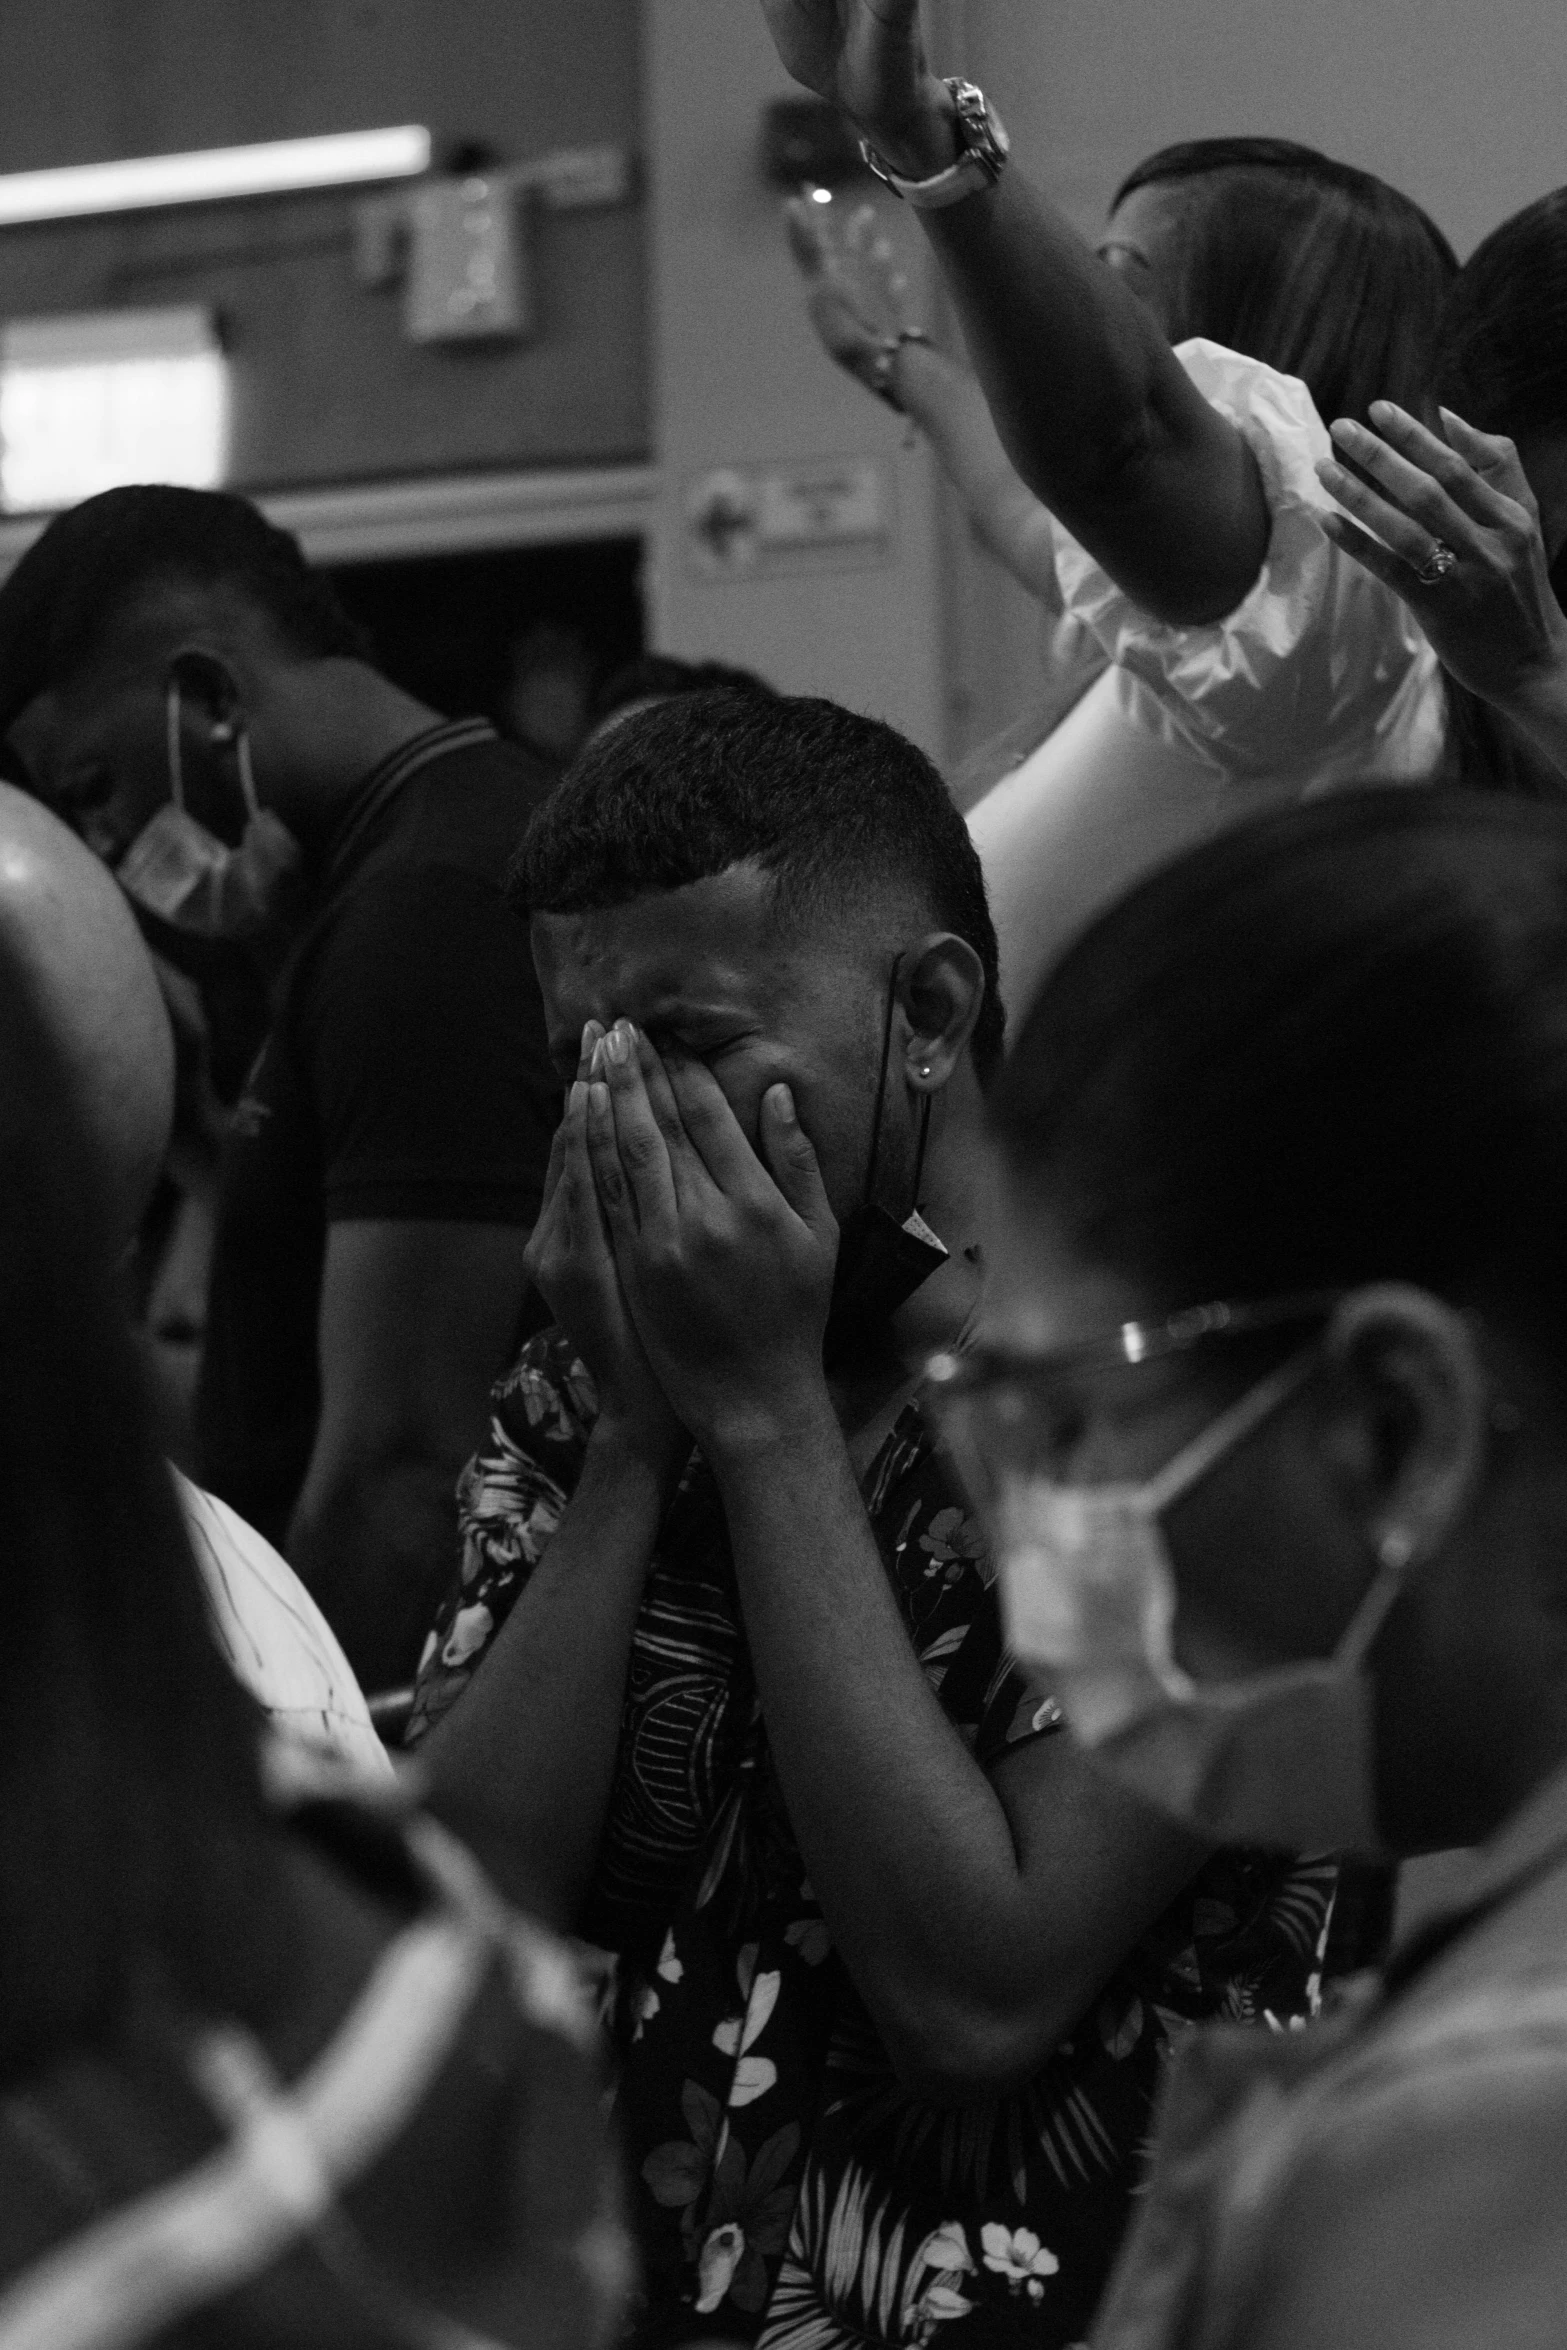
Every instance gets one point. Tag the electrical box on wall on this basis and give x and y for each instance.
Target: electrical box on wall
(463, 246)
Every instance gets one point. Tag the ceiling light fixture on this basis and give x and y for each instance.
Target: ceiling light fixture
(106, 397)
(213, 174)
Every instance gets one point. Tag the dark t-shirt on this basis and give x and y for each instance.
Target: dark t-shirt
(405, 1076)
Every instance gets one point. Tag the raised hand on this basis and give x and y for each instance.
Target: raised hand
(571, 1262)
(856, 293)
(726, 1258)
(867, 57)
(1490, 613)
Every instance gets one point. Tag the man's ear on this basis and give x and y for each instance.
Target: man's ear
(1411, 1415)
(210, 695)
(941, 988)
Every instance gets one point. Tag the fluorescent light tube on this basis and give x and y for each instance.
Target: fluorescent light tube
(90, 401)
(341, 159)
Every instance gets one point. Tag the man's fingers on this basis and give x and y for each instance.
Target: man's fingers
(584, 1212)
(685, 1165)
(714, 1132)
(641, 1148)
(610, 1181)
(557, 1160)
(792, 1162)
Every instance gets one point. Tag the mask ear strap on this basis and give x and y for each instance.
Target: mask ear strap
(1230, 1429)
(881, 1082)
(919, 1151)
(247, 774)
(171, 712)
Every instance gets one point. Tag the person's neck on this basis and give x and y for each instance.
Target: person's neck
(351, 719)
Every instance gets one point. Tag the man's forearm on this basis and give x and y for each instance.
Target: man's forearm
(868, 1762)
(1094, 409)
(524, 1762)
(377, 1547)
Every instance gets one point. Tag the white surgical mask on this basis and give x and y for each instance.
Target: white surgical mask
(183, 873)
(1280, 1757)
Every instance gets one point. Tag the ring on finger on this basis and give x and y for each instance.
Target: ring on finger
(1441, 560)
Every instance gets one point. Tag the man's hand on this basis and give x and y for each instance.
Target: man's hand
(571, 1262)
(726, 1258)
(867, 57)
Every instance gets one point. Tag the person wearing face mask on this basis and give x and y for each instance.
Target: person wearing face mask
(191, 696)
(721, 1681)
(1267, 1421)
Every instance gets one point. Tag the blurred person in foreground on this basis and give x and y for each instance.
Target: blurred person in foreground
(69, 929)
(189, 694)
(1268, 1419)
(264, 2077)
(723, 1675)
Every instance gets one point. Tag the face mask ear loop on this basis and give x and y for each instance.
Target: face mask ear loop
(881, 1084)
(919, 1150)
(1394, 1563)
(171, 710)
(1222, 1435)
(247, 778)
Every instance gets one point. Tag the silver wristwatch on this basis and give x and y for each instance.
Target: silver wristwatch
(983, 150)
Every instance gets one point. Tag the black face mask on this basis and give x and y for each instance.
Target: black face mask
(881, 1262)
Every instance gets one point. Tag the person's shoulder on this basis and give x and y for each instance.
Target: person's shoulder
(1422, 2205)
(468, 805)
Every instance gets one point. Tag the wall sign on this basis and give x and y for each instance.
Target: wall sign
(810, 514)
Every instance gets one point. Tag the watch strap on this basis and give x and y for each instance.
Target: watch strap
(983, 151)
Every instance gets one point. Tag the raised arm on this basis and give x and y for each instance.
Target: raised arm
(1095, 411)
(857, 297)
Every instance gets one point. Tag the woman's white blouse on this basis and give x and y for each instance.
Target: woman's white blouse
(1319, 678)
(277, 1641)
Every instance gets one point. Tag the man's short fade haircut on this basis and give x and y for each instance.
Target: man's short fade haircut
(94, 561)
(830, 804)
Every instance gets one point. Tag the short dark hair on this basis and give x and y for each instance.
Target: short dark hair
(658, 677)
(1319, 270)
(1325, 1047)
(93, 561)
(830, 804)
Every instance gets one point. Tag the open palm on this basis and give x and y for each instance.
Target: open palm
(865, 56)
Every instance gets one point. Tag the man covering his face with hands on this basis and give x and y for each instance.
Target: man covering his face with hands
(896, 1965)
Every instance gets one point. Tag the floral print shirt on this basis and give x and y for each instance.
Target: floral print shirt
(789, 2190)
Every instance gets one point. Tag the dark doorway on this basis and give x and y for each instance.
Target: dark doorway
(519, 636)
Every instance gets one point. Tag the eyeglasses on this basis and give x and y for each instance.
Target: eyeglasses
(1000, 1408)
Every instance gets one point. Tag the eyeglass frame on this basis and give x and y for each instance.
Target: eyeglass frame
(960, 1375)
